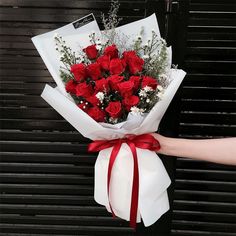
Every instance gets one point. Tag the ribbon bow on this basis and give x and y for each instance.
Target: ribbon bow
(144, 141)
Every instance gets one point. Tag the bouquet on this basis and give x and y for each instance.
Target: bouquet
(114, 86)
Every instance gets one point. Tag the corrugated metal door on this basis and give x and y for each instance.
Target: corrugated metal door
(205, 194)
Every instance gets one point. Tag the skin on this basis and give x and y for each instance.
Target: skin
(222, 150)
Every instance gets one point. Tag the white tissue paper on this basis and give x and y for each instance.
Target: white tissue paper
(153, 179)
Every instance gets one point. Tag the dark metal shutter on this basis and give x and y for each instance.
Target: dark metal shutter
(205, 194)
(46, 174)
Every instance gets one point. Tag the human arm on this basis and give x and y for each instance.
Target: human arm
(222, 150)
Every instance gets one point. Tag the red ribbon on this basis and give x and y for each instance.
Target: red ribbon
(144, 141)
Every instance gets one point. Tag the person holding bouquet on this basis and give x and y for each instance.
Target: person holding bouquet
(222, 150)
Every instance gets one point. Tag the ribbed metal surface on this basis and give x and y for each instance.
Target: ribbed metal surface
(205, 194)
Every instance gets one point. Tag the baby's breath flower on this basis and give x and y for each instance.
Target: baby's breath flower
(159, 87)
(113, 120)
(56, 35)
(99, 46)
(142, 93)
(160, 95)
(138, 37)
(136, 111)
(100, 96)
(148, 89)
(145, 57)
(163, 76)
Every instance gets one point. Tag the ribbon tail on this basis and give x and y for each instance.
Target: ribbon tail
(114, 153)
(135, 188)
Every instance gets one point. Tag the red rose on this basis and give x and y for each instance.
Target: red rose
(117, 66)
(97, 114)
(111, 51)
(83, 106)
(104, 62)
(129, 54)
(93, 100)
(126, 88)
(102, 85)
(135, 65)
(134, 62)
(91, 51)
(136, 80)
(71, 86)
(79, 71)
(130, 101)
(114, 109)
(114, 80)
(150, 82)
(94, 71)
(84, 90)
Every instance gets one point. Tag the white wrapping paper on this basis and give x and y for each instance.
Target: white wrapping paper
(45, 45)
(153, 178)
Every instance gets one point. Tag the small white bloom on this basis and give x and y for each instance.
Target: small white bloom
(159, 87)
(163, 40)
(56, 35)
(139, 37)
(136, 111)
(142, 93)
(148, 89)
(100, 96)
(160, 95)
(113, 120)
(163, 76)
(145, 57)
(148, 100)
(99, 47)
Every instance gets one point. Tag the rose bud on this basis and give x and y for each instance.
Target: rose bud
(97, 114)
(84, 90)
(114, 109)
(150, 82)
(71, 86)
(111, 51)
(93, 100)
(79, 71)
(130, 101)
(136, 80)
(114, 80)
(135, 65)
(91, 51)
(94, 71)
(104, 62)
(117, 66)
(102, 85)
(126, 88)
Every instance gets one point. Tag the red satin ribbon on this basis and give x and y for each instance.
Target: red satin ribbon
(144, 141)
